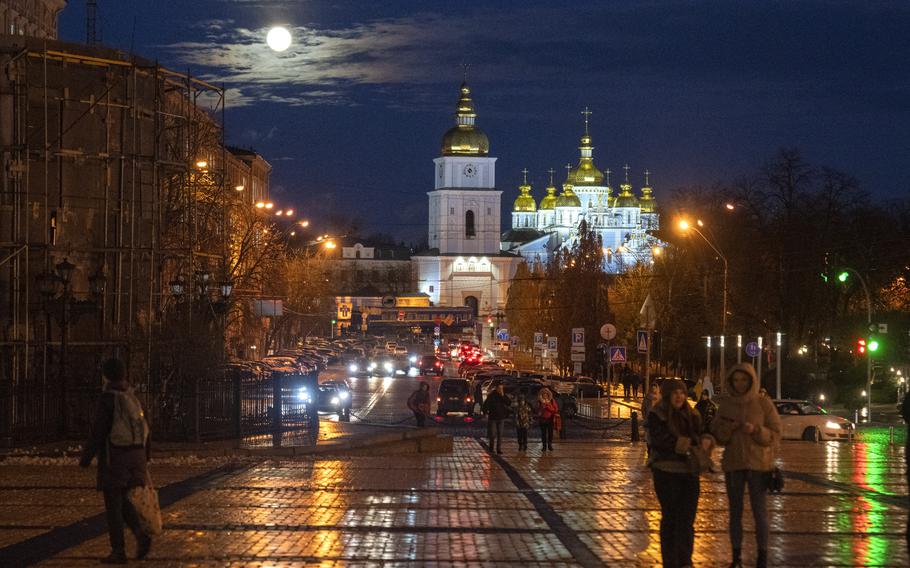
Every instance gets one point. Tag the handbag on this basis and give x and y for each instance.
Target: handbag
(775, 481)
(145, 501)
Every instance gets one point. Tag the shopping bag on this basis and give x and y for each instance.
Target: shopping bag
(145, 500)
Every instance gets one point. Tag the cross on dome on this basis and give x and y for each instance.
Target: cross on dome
(525, 173)
(608, 171)
(587, 113)
(647, 174)
(626, 167)
(552, 171)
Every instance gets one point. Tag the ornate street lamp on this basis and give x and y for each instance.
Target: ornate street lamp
(97, 282)
(65, 270)
(202, 283)
(177, 286)
(227, 287)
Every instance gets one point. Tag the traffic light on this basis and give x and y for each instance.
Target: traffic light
(490, 321)
(334, 322)
(873, 345)
(842, 277)
(861, 346)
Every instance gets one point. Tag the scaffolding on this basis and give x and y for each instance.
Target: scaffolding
(118, 166)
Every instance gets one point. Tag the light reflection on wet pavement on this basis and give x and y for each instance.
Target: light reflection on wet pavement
(462, 508)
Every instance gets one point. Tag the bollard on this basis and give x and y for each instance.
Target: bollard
(634, 421)
(890, 435)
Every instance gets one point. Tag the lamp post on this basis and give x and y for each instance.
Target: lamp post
(868, 392)
(685, 226)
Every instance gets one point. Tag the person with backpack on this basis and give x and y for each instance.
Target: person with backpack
(120, 440)
(521, 411)
(747, 423)
(419, 404)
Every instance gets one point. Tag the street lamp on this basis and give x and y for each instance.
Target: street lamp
(65, 270)
(177, 286)
(685, 226)
(843, 277)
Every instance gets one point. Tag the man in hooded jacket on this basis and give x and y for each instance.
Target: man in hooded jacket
(748, 425)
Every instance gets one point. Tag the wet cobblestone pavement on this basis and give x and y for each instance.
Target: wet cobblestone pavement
(590, 503)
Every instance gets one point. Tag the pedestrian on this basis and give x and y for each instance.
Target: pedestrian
(496, 409)
(675, 434)
(521, 413)
(120, 440)
(547, 411)
(478, 393)
(636, 384)
(706, 409)
(763, 392)
(649, 402)
(419, 403)
(708, 385)
(626, 382)
(749, 426)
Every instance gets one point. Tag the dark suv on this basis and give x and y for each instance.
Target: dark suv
(454, 396)
(430, 365)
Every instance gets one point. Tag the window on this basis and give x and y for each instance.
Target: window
(489, 211)
(469, 230)
(451, 210)
(357, 253)
(431, 289)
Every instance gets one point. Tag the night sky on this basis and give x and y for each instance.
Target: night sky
(352, 114)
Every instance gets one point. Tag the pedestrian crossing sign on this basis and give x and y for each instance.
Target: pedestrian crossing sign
(617, 354)
(642, 341)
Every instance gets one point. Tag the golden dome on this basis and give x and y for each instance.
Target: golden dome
(525, 202)
(585, 173)
(625, 197)
(465, 139)
(549, 202)
(568, 197)
(648, 204)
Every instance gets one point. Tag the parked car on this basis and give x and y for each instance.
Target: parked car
(804, 420)
(335, 397)
(454, 395)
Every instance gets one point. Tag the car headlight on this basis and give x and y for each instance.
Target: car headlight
(343, 395)
(371, 367)
(353, 367)
(832, 424)
(387, 366)
(412, 358)
(335, 401)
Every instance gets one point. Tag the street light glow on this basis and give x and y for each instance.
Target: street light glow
(260, 205)
(683, 225)
(289, 212)
(304, 223)
(238, 187)
(730, 206)
(202, 164)
(329, 245)
(269, 205)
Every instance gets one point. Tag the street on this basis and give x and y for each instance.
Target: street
(589, 503)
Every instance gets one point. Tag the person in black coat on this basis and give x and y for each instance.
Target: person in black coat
(120, 468)
(496, 409)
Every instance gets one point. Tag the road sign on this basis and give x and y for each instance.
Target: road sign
(552, 344)
(578, 357)
(538, 339)
(752, 349)
(608, 331)
(502, 334)
(513, 341)
(617, 354)
(642, 341)
(577, 368)
(436, 330)
(344, 311)
(578, 336)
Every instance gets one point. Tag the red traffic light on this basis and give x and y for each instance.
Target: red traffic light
(860, 346)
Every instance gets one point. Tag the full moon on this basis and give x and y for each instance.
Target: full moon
(278, 38)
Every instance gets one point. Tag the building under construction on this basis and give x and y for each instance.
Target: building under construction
(117, 206)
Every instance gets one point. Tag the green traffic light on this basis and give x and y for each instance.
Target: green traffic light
(843, 276)
(873, 346)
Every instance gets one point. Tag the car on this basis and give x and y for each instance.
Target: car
(390, 346)
(430, 365)
(454, 396)
(335, 397)
(804, 420)
(399, 350)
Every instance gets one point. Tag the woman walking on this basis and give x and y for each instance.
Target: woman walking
(521, 412)
(547, 412)
(748, 425)
(419, 403)
(674, 431)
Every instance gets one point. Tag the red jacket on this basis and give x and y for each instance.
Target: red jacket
(547, 411)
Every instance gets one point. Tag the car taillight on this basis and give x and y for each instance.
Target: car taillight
(468, 399)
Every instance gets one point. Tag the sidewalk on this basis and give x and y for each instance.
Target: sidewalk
(586, 504)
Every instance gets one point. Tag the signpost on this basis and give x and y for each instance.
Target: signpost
(617, 354)
(578, 337)
(552, 344)
(648, 318)
(644, 341)
(578, 348)
(608, 331)
(538, 339)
